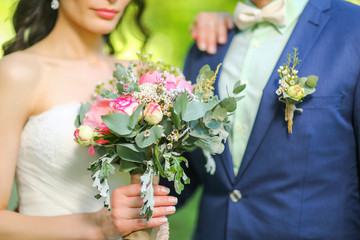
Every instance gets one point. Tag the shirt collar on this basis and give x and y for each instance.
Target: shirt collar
(293, 11)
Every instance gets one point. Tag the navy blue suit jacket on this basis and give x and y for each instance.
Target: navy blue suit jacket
(303, 185)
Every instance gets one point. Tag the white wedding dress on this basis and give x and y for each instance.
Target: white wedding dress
(52, 173)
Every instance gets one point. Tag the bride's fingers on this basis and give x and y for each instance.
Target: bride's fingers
(138, 224)
(137, 202)
(134, 213)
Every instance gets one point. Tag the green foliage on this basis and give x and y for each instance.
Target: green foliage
(84, 108)
(112, 120)
(144, 141)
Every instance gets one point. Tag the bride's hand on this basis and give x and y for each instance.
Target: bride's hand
(126, 203)
(210, 28)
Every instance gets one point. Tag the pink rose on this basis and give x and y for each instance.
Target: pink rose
(93, 117)
(170, 82)
(185, 85)
(180, 78)
(153, 113)
(150, 77)
(125, 104)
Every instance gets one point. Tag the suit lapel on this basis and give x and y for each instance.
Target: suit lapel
(306, 32)
(213, 61)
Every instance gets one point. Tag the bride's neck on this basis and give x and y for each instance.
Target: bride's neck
(68, 40)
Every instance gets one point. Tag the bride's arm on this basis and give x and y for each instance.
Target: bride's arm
(18, 92)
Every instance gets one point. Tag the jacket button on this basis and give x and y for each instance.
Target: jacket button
(235, 196)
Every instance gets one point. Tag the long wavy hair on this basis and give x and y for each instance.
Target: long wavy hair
(34, 19)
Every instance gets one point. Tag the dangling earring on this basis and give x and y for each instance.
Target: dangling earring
(54, 4)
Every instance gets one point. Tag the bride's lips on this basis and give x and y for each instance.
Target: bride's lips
(105, 13)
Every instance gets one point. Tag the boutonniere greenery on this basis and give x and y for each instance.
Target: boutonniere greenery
(293, 89)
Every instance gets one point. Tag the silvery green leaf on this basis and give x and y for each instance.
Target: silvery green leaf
(175, 118)
(120, 73)
(84, 108)
(135, 116)
(312, 81)
(147, 191)
(229, 103)
(238, 87)
(199, 132)
(213, 145)
(196, 110)
(112, 122)
(127, 166)
(155, 133)
(220, 114)
(100, 170)
(130, 152)
(204, 73)
(109, 95)
(309, 91)
(210, 162)
(213, 124)
(180, 104)
(302, 81)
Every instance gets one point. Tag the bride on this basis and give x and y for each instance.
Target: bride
(51, 66)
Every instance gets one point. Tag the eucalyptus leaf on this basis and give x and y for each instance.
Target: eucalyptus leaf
(229, 103)
(199, 132)
(309, 91)
(175, 118)
(195, 111)
(213, 145)
(135, 116)
(213, 124)
(157, 158)
(127, 166)
(312, 81)
(180, 104)
(112, 122)
(238, 87)
(84, 108)
(220, 114)
(204, 73)
(130, 152)
(302, 81)
(155, 133)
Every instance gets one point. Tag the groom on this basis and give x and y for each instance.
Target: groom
(269, 184)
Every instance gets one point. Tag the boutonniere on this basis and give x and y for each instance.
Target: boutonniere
(293, 89)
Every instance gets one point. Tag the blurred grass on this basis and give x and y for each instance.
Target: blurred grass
(170, 40)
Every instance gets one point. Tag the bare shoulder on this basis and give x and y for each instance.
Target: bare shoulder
(19, 68)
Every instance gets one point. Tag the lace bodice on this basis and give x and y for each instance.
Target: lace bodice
(52, 173)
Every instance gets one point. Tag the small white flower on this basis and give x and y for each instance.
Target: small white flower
(169, 138)
(285, 71)
(278, 92)
(293, 77)
(147, 133)
(169, 146)
(138, 52)
(292, 82)
(295, 71)
(279, 70)
(281, 67)
(280, 81)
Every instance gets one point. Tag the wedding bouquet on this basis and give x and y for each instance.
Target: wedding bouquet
(147, 117)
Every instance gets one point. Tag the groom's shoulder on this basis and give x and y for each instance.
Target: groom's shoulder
(345, 13)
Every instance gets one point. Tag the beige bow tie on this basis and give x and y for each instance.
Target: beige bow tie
(246, 16)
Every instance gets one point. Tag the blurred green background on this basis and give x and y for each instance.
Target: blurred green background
(168, 21)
